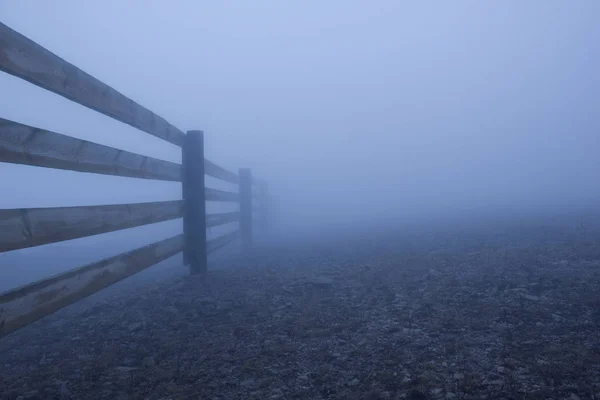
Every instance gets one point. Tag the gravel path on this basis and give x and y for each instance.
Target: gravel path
(509, 315)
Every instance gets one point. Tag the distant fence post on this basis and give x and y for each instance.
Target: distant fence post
(194, 204)
(246, 206)
(264, 206)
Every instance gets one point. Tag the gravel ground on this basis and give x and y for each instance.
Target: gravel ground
(501, 314)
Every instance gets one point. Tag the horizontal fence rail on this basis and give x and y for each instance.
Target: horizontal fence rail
(29, 303)
(23, 144)
(22, 57)
(220, 195)
(29, 227)
(213, 220)
(221, 241)
(212, 169)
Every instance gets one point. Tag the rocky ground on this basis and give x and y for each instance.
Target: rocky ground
(503, 314)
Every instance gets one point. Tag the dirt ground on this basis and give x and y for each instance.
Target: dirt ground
(507, 313)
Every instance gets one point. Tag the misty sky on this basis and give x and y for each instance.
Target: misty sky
(367, 108)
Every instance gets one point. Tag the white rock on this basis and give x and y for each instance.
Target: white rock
(134, 326)
(530, 297)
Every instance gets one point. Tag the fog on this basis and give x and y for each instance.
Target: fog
(355, 113)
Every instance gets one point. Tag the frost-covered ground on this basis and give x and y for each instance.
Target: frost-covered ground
(496, 312)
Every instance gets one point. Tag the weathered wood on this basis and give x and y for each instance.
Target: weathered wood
(221, 241)
(23, 144)
(29, 227)
(22, 306)
(213, 220)
(194, 219)
(23, 58)
(220, 195)
(212, 169)
(246, 206)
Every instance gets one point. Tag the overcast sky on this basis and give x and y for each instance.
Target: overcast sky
(347, 108)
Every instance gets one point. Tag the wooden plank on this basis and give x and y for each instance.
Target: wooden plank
(213, 220)
(23, 58)
(215, 244)
(24, 144)
(220, 195)
(212, 169)
(29, 227)
(22, 306)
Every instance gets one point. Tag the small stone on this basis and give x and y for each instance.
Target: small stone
(247, 383)
(124, 372)
(64, 390)
(134, 326)
(84, 357)
(354, 382)
(530, 297)
(148, 361)
(32, 394)
(492, 382)
(557, 317)
(574, 397)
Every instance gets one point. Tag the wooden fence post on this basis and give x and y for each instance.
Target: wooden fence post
(246, 206)
(194, 204)
(264, 207)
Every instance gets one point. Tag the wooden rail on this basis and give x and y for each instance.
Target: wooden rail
(27, 304)
(213, 220)
(22, 57)
(221, 241)
(212, 169)
(27, 227)
(23, 144)
(220, 195)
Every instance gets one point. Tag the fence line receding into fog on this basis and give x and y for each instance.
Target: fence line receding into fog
(28, 227)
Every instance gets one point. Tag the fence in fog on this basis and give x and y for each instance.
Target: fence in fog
(29, 227)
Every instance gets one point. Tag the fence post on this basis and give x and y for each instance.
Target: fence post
(194, 205)
(246, 206)
(264, 209)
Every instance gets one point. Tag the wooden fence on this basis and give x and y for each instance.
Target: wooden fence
(28, 227)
